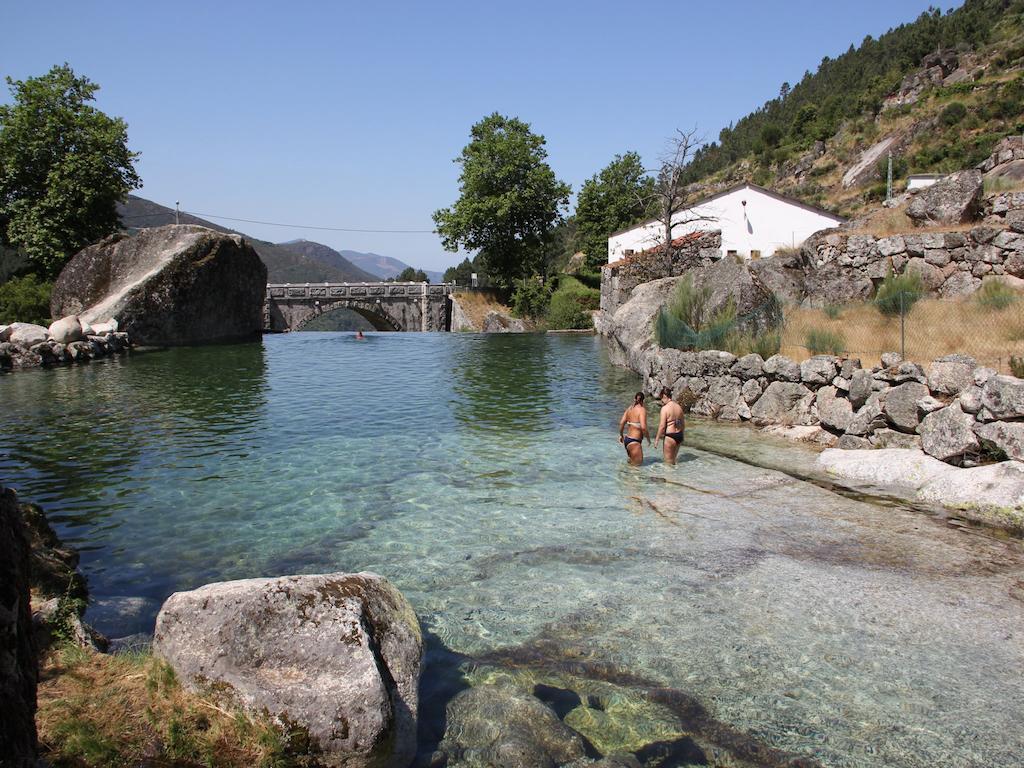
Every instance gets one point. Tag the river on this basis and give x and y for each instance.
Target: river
(725, 598)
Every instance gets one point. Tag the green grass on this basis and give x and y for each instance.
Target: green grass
(898, 293)
(995, 295)
(822, 341)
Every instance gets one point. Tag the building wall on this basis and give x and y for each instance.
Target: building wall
(765, 224)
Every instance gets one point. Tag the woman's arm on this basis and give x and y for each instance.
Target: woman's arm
(643, 424)
(622, 423)
(662, 426)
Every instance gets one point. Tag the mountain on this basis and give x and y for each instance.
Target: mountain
(384, 266)
(938, 92)
(285, 262)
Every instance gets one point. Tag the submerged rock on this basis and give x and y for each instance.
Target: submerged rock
(172, 285)
(336, 655)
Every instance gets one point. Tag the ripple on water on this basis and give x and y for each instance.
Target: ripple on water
(482, 475)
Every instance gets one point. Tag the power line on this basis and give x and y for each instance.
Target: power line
(325, 229)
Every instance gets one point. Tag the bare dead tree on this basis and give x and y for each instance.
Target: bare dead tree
(670, 194)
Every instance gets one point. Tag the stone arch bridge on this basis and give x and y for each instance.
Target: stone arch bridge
(387, 306)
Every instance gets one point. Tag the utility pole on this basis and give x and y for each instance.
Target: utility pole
(176, 209)
(888, 182)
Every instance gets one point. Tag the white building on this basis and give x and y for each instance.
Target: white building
(922, 180)
(754, 221)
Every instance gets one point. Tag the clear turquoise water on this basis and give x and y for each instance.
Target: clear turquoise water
(721, 598)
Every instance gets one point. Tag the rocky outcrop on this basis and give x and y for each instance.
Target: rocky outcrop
(954, 199)
(336, 655)
(498, 322)
(18, 664)
(49, 351)
(172, 285)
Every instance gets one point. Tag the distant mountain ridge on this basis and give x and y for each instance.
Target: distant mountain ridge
(302, 261)
(384, 266)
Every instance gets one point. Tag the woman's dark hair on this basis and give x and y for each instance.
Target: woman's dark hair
(638, 398)
(665, 392)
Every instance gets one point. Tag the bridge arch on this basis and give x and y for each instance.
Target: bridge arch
(372, 313)
(387, 306)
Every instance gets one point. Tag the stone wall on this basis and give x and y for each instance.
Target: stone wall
(620, 278)
(32, 346)
(956, 411)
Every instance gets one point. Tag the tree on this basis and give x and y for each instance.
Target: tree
(412, 275)
(461, 274)
(64, 166)
(670, 194)
(620, 194)
(509, 199)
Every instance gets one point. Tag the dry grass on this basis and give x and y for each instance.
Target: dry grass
(933, 328)
(476, 305)
(101, 710)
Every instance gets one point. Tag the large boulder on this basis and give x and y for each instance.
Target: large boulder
(834, 412)
(337, 655)
(955, 199)
(904, 468)
(951, 374)
(506, 728)
(66, 330)
(26, 334)
(784, 402)
(630, 329)
(1003, 397)
(499, 322)
(782, 368)
(1006, 437)
(818, 371)
(172, 285)
(901, 405)
(17, 650)
(862, 384)
(948, 434)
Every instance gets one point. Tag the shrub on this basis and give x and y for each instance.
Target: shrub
(26, 300)
(1017, 367)
(764, 344)
(898, 293)
(531, 298)
(833, 311)
(689, 321)
(995, 294)
(566, 311)
(821, 340)
(953, 113)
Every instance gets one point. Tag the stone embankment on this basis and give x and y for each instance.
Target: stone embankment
(69, 340)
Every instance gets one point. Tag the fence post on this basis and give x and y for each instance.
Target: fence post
(903, 337)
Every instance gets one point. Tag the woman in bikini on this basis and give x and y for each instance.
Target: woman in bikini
(634, 423)
(670, 426)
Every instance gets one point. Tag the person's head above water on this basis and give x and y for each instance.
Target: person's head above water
(638, 398)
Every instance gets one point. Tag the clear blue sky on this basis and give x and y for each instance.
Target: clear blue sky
(349, 114)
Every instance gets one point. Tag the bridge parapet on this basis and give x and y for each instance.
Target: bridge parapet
(391, 306)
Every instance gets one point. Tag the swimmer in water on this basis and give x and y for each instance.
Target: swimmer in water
(359, 336)
(670, 426)
(634, 424)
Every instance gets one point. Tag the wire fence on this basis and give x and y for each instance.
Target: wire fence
(987, 325)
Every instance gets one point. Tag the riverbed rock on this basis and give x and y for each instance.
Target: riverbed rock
(784, 402)
(18, 670)
(901, 405)
(171, 285)
(890, 438)
(954, 199)
(337, 655)
(781, 368)
(993, 493)
(834, 412)
(66, 330)
(1006, 437)
(499, 726)
(1003, 397)
(948, 434)
(26, 334)
(903, 468)
(951, 374)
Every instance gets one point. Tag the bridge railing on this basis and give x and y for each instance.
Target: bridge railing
(380, 290)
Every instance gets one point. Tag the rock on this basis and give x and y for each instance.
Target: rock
(861, 386)
(713, 362)
(18, 670)
(171, 285)
(722, 400)
(499, 322)
(901, 405)
(843, 385)
(929, 404)
(891, 359)
(819, 370)
(954, 199)
(982, 375)
(853, 443)
(5, 333)
(993, 493)
(748, 367)
(971, 399)
(102, 329)
(26, 334)
(783, 403)
(948, 434)
(903, 468)
(834, 412)
(804, 434)
(931, 276)
(959, 284)
(1003, 397)
(630, 328)
(337, 655)
(1006, 437)
(782, 368)
(46, 615)
(751, 391)
(54, 566)
(506, 728)
(951, 374)
(890, 438)
(849, 365)
(66, 330)
(869, 418)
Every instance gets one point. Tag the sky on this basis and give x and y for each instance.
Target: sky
(349, 115)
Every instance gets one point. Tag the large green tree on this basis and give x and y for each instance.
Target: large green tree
(509, 200)
(64, 165)
(619, 195)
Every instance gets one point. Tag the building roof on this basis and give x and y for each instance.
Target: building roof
(745, 185)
